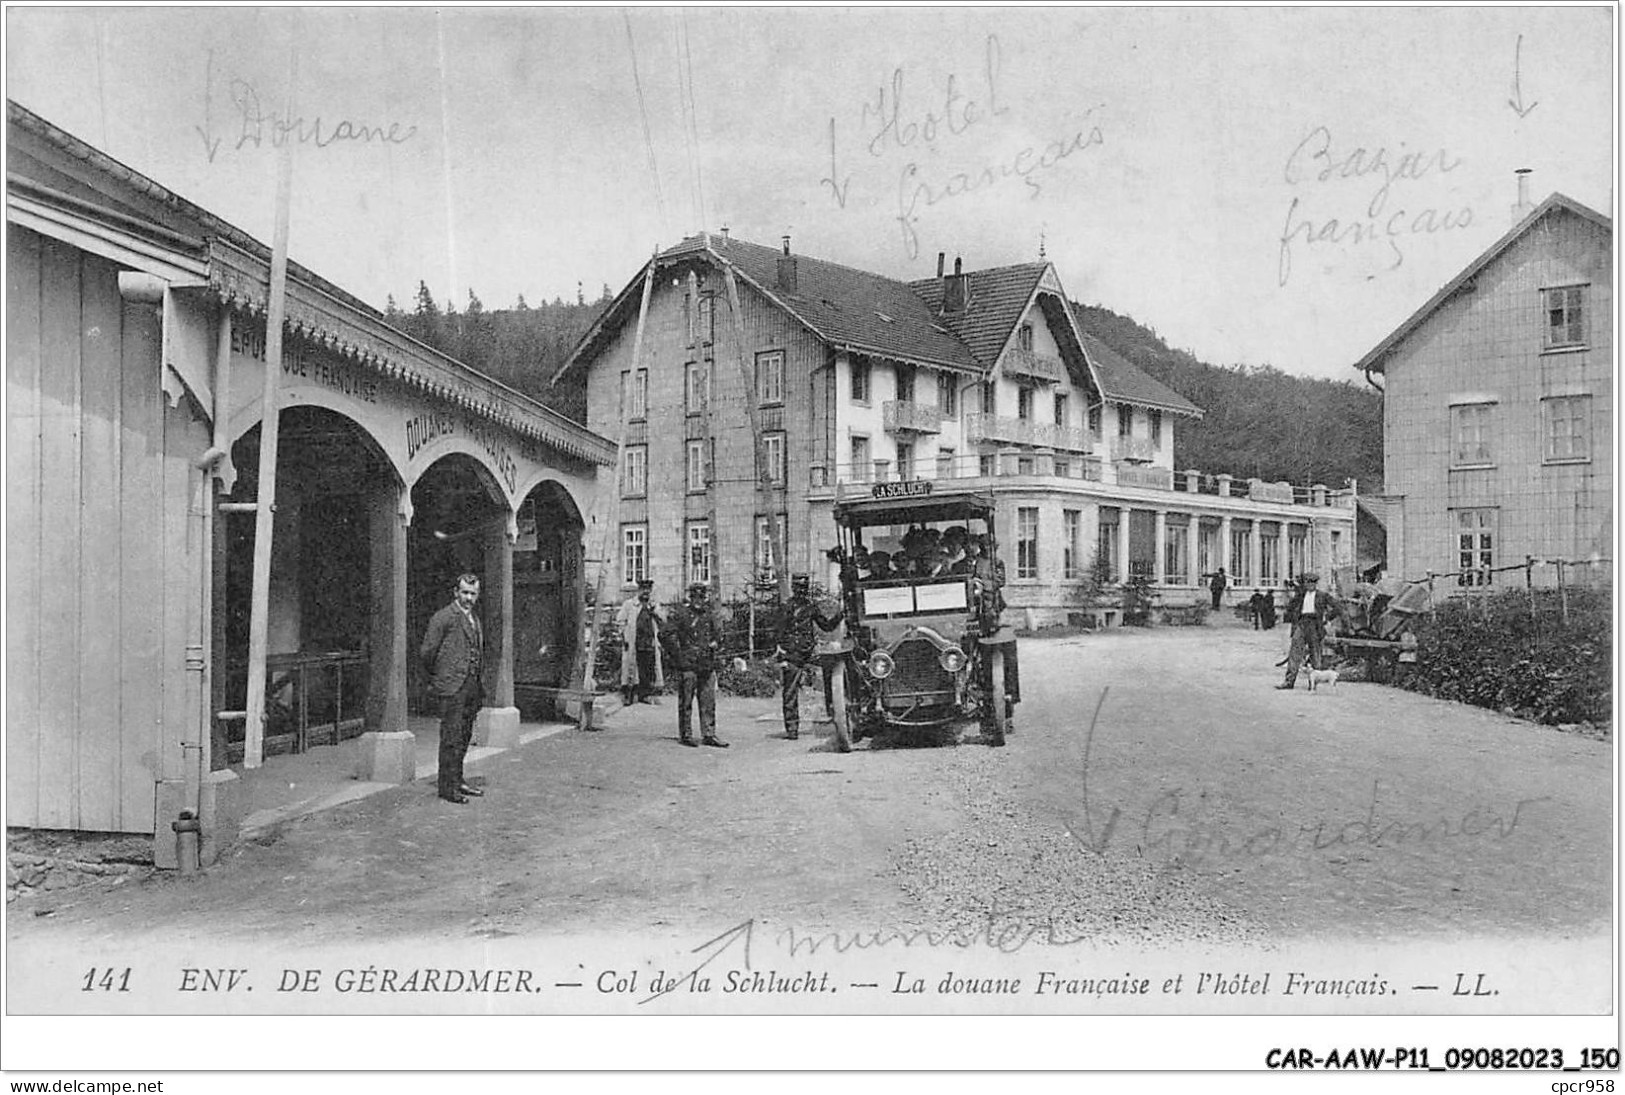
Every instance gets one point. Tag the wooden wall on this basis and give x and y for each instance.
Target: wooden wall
(101, 580)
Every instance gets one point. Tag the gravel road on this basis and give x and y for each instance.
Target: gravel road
(1202, 805)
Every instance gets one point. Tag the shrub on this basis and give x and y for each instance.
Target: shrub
(1491, 651)
(760, 678)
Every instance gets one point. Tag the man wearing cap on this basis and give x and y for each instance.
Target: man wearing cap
(796, 642)
(639, 620)
(1308, 612)
(692, 640)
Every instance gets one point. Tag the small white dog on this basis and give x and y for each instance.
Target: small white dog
(1318, 677)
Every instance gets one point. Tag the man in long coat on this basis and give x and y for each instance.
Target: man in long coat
(640, 622)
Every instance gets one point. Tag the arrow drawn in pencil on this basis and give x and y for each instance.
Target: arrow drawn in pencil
(1516, 103)
(1088, 839)
(211, 143)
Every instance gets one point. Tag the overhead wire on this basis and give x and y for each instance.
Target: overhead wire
(693, 120)
(643, 114)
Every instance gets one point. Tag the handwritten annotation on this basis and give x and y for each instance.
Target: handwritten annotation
(892, 125)
(1318, 164)
(255, 126)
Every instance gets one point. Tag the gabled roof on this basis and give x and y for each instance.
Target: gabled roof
(855, 310)
(1124, 382)
(1375, 359)
(997, 300)
(847, 309)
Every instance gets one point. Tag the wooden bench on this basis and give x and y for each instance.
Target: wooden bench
(1095, 618)
(562, 698)
(1183, 615)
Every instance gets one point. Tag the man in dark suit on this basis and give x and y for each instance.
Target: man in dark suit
(1308, 613)
(453, 649)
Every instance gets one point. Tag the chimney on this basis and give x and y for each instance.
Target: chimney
(956, 290)
(787, 268)
(1523, 208)
(725, 239)
(941, 257)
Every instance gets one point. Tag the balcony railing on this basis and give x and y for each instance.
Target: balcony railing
(989, 468)
(1026, 431)
(1138, 449)
(900, 416)
(1036, 366)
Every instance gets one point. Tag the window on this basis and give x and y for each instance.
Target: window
(905, 383)
(1027, 542)
(1177, 555)
(1024, 337)
(990, 400)
(764, 542)
(773, 457)
(1565, 316)
(860, 380)
(1024, 404)
(696, 467)
(948, 394)
(1568, 428)
(770, 377)
(704, 319)
(635, 394)
(699, 552)
(1269, 555)
(1207, 549)
(1297, 551)
(945, 463)
(635, 474)
(1071, 523)
(1106, 544)
(1470, 429)
(1024, 465)
(634, 554)
(905, 460)
(1063, 468)
(1475, 546)
(861, 467)
(987, 464)
(1125, 422)
(1094, 418)
(1241, 554)
(694, 377)
(1060, 408)
(1156, 429)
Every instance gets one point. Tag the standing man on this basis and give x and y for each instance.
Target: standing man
(795, 645)
(639, 621)
(1308, 613)
(1216, 587)
(453, 650)
(692, 639)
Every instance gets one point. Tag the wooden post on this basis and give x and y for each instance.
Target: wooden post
(1563, 591)
(260, 595)
(764, 474)
(588, 680)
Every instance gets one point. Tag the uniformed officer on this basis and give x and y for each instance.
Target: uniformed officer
(692, 639)
(796, 642)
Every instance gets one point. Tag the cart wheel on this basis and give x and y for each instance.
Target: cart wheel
(840, 713)
(997, 719)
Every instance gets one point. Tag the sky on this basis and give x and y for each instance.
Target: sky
(1262, 186)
